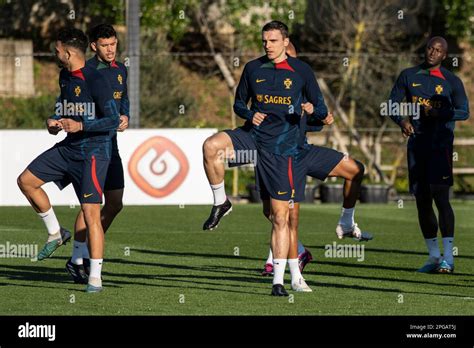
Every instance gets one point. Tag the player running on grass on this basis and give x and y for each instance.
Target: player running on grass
(87, 112)
(276, 85)
(443, 101)
(240, 142)
(103, 41)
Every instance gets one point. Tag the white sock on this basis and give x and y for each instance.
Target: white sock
(300, 248)
(96, 269)
(219, 193)
(77, 252)
(51, 222)
(279, 266)
(433, 248)
(448, 249)
(347, 218)
(270, 257)
(294, 270)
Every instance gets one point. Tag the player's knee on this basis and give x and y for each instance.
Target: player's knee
(359, 170)
(280, 220)
(22, 182)
(113, 208)
(210, 147)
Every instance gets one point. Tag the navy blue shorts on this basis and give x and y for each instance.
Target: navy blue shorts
(315, 161)
(245, 149)
(278, 177)
(115, 179)
(427, 166)
(87, 176)
(319, 161)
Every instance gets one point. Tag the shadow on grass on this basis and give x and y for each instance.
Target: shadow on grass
(193, 254)
(368, 248)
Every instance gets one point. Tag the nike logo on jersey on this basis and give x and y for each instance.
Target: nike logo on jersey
(282, 193)
(258, 81)
(87, 195)
(445, 177)
(416, 84)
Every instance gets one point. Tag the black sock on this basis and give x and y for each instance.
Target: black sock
(426, 216)
(446, 214)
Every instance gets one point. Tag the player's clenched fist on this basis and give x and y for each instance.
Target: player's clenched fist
(329, 119)
(258, 118)
(308, 108)
(123, 123)
(54, 126)
(407, 128)
(71, 126)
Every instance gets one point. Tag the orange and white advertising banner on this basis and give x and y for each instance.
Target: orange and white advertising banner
(161, 166)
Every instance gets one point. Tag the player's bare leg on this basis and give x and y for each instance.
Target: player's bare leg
(30, 185)
(214, 150)
(304, 255)
(294, 260)
(80, 255)
(353, 172)
(280, 243)
(96, 244)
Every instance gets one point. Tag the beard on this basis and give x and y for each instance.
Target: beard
(59, 62)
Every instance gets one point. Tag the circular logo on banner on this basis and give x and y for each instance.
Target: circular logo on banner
(158, 167)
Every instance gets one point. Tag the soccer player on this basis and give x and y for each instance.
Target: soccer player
(103, 41)
(87, 112)
(240, 142)
(443, 101)
(276, 85)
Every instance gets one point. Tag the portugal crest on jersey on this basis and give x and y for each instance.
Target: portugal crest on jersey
(119, 78)
(77, 90)
(287, 83)
(439, 89)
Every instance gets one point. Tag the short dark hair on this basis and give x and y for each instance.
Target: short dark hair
(74, 38)
(277, 25)
(102, 31)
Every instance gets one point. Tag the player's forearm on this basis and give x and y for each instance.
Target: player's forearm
(242, 111)
(109, 122)
(397, 119)
(125, 107)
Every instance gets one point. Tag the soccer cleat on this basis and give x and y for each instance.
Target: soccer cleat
(50, 247)
(356, 233)
(430, 266)
(91, 288)
(300, 286)
(267, 270)
(445, 267)
(217, 213)
(87, 265)
(279, 290)
(77, 272)
(304, 258)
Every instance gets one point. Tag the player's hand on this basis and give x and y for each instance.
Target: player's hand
(71, 126)
(258, 118)
(54, 126)
(329, 119)
(308, 108)
(407, 128)
(123, 123)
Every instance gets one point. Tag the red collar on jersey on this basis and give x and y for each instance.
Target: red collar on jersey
(284, 65)
(437, 72)
(78, 73)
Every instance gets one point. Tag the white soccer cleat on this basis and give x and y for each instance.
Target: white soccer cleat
(355, 233)
(300, 286)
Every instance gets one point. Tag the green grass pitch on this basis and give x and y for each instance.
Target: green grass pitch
(175, 268)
